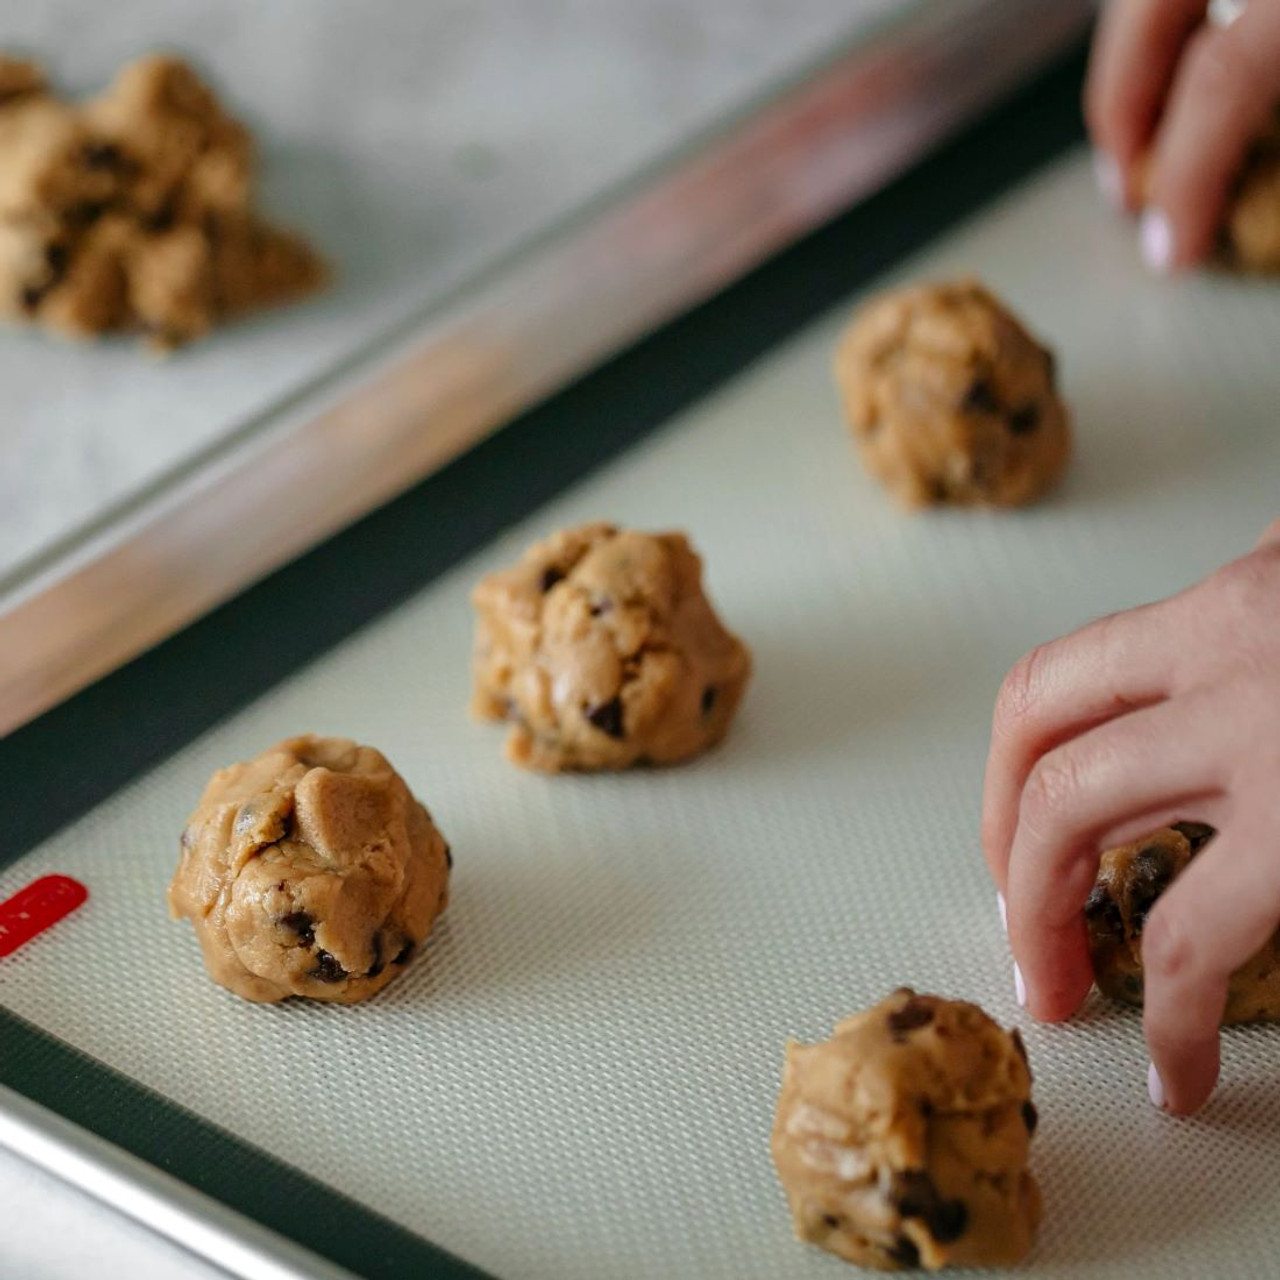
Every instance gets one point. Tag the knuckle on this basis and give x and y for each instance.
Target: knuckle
(1020, 691)
(1169, 953)
(1053, 788)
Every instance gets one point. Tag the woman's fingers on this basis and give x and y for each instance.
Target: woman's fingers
(1059, 690)
(1216, 915)
(1155, 764)
(1226, 87)
(1270, 536)
(1135, 55)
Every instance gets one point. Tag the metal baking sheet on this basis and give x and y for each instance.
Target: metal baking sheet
(576, 1079)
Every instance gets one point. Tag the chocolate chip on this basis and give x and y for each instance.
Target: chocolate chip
(601, 607)
(916, 1196)
(377, 966)
(86, 211)
(1197, 834)
(30, 298)
(607, 717)
(709, 696)
(830, 1221)
(904, 1252)
(914, 1014)
(162, 219)
(1030, 1116)
(327, 968)
(550, 577)
(448, 857)
(103, 155)
(980, 398)
(1149, 876)
(402, 956)
(1024, 421)
(56, 257)
(303, 924)
(949, 1222)
(1103, 913)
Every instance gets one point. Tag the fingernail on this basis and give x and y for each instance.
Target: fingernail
(1155, 234)
(1019, 987)
(1107, 175)
(1004, 913)
(1155, 1087)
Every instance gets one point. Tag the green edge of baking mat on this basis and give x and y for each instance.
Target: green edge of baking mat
(77, 754)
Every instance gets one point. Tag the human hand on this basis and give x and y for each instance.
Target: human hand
(1165, 712)
(1193, 95)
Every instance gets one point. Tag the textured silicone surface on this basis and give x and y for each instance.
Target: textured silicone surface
(577, 1077)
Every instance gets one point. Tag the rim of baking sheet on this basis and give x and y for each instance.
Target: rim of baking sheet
(155, 1159)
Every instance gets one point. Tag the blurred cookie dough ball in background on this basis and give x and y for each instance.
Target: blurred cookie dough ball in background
(950, 399)
(133, 212)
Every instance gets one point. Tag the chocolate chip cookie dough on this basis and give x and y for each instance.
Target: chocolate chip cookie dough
(601, 650)
(903, 1140)
(1251, 229)
(950, 399)
(310, 871)
(134, 211)
(1130, 880)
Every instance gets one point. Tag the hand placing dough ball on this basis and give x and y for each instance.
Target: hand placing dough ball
(310, 871)
(903, 1140)
(602, 651)
(1130, 880)
(950, 399)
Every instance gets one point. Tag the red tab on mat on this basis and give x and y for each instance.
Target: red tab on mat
(32, 910)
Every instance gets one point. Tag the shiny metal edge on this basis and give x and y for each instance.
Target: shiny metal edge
(515, 336)
(196, 1222)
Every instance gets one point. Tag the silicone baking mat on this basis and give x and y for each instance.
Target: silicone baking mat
(577, 1076)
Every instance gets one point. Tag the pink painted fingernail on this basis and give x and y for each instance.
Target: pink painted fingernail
(1019, 986)
(1155, 1087)
(1155, 235)
(1107, 175)
(1004, 912)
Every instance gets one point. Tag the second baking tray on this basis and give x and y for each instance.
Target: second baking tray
(576, 1077)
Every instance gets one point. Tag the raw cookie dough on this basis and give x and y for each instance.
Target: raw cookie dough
(1130, 879)
(134, 211)
(1251, 229)
(310, 871)
(950, 399)
(903, 1140)
(602, 651)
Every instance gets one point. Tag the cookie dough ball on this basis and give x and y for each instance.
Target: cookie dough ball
(1251, 229)
(903, 1140)
(1130, 879)
(135, 211)
(602, 651)
(310, 871)
(950, 399)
